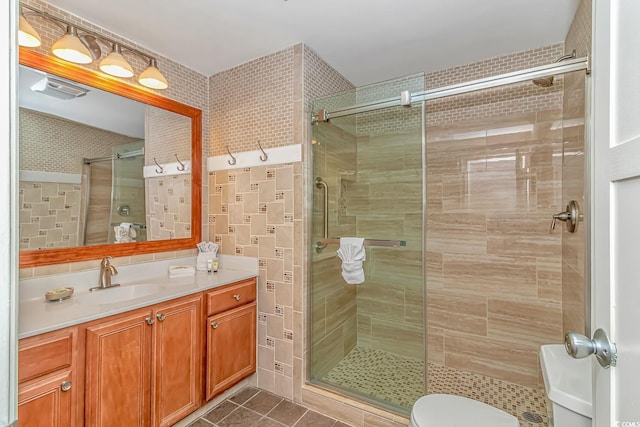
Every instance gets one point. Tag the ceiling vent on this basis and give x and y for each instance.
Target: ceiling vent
(58, 88)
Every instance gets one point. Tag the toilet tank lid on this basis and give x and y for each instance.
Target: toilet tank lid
(437, 410)
(567, 381)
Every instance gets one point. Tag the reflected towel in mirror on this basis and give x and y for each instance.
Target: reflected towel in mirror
(125, 233)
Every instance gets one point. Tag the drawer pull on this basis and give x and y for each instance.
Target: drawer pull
(214, 325)
(160, 317)
(237, 297)
(150, 320)
(65, 386)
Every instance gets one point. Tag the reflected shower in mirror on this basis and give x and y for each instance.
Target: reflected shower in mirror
(87, 162)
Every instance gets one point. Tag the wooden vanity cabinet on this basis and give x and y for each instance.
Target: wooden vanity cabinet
(231, 335)
(144, 368)
(49, 383)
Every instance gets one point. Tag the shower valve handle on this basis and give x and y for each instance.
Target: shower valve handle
(571, 216)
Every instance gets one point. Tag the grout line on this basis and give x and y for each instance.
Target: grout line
(301, 416)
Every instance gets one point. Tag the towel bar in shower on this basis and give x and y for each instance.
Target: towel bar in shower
(369, 242)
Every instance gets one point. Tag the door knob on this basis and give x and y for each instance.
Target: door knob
(571, 216)
(237, 297)
(65, 386)
(579, 346)
(214, 325)
(161, 317)
(150, 320)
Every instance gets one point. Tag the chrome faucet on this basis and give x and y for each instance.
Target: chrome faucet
(106, 272)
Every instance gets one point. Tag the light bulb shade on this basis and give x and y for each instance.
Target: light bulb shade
(27, 36)
(152, 77)
(70, 48)
(115, 64)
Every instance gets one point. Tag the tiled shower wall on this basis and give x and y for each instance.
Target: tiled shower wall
(494, 178)
(574, 303)
(185, 85)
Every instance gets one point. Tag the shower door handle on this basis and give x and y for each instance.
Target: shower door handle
(321, 183)
(571, 216)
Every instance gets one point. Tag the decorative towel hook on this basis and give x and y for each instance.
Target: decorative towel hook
(158, 164)
(182, 166)
(233, 159)
(264, 155)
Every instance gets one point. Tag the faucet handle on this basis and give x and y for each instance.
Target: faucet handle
(106, 261)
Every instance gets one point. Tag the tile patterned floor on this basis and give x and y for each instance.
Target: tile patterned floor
(252, 407)
(399, 380)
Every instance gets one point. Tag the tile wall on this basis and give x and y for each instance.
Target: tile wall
(168, 198)
(494, 178)
(52, 213)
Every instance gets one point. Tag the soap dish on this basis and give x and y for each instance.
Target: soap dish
(58, 294)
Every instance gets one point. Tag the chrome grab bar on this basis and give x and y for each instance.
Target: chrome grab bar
(320, 183)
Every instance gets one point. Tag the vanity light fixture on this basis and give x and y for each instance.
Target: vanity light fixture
(70, 48)
(115, 64)
(151, 77)
(27, 36)
(81, 46)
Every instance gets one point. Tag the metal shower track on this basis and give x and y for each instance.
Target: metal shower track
(457, 89)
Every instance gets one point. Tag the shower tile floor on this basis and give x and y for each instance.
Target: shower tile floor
(399, 380)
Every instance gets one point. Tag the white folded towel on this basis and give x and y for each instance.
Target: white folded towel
(124, 233)
(352, 253)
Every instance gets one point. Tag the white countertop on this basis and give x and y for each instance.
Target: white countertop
(36, 315)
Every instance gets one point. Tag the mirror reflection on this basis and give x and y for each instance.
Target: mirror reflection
(97, 168)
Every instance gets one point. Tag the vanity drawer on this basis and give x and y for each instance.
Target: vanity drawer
(46, 353)
(231, 296)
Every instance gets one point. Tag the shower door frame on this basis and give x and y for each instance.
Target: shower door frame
(578, 64)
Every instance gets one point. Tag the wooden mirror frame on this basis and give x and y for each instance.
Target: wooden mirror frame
(104, 82)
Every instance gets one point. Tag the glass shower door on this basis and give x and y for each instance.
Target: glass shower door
(368, 339)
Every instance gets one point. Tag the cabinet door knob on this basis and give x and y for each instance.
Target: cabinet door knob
(214, 325)
(150, 320)
(237, 297)
(160, 317)
(65, 386)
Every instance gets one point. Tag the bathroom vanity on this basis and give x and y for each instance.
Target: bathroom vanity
(149, 358)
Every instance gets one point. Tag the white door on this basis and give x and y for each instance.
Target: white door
(616, 207)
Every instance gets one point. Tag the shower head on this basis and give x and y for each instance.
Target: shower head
(547, 81)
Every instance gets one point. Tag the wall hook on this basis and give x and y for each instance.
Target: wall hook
(233, 159)
(161, 170)
(264, 155)
(182, 166)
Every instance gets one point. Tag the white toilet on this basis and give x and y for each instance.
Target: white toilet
(446, 410)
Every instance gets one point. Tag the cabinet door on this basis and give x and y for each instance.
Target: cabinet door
(118, 373)
(177, 363)
(231, 348)
(46, 402)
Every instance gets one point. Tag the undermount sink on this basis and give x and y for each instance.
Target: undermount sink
(120, 293)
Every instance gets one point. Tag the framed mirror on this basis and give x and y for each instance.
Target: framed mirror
(119, 193)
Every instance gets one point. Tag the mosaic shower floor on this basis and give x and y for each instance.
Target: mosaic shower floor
(399, 380)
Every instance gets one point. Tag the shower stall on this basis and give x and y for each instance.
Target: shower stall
(114, 194)
(453, 187)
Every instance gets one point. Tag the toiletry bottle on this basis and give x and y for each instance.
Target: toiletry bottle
(210, 265)
(215, 265)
